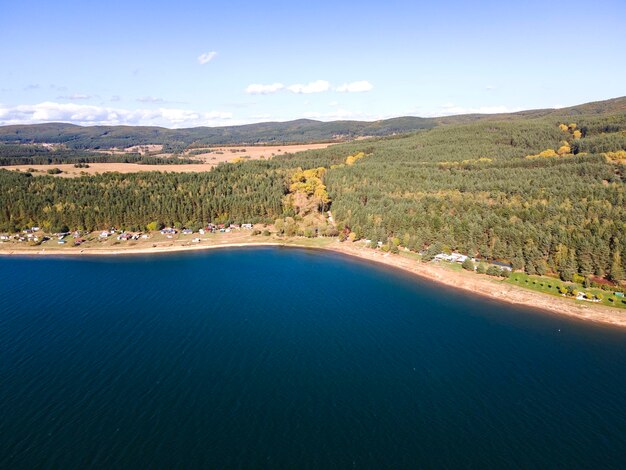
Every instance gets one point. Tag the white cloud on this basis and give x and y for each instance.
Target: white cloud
(150, 99)
(259, 89)
(317, 86)
(206, 57)
(355, 87)
(344, 114)
(75, 96)
(451, 109)
(97, 115)
(490, 88)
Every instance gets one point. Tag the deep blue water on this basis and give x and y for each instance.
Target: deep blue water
(284, 358)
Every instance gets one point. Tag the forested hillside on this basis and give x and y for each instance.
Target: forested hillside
(175, 140)
(484, 190)
(299, 131)
(546, 194)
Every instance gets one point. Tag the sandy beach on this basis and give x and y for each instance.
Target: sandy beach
(470, 282)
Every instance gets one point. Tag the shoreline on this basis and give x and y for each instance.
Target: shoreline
(472, 283)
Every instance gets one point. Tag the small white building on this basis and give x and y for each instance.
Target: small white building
(452, 257)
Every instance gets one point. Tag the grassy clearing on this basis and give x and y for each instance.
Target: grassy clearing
(552, 286)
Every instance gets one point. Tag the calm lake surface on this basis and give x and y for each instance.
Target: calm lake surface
(286, 358)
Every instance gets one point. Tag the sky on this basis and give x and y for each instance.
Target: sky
(199, 63)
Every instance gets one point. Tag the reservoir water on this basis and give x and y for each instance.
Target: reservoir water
(287, 358)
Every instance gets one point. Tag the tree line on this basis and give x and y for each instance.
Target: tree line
(468, 188)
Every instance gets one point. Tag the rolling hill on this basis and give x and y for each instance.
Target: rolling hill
(301, 130)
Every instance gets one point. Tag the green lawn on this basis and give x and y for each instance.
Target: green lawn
(550, 285)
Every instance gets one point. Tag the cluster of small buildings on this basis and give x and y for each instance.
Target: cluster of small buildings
(461, 258)
(125, 236)
(452, 257)
(27, 235)
(33, 234)
(209, 228)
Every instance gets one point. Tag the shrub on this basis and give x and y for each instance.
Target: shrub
(493, 271)
(431, 252)
(152, 226)
(332, 232)
(468, 264)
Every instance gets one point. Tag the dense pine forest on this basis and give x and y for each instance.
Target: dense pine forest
(544, 193)
(31, 154)
(483, 189)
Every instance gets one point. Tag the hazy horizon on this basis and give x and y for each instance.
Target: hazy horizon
(288, 120)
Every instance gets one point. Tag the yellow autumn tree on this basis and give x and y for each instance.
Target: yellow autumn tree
(577, 134)
(563, 127)
(564, 149)
(307, 191)
(545, 154)
(352, 159)
(616, 157)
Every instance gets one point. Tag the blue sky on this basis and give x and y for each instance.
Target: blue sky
(190, 63)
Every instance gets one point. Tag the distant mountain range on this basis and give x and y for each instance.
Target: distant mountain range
(298, 131)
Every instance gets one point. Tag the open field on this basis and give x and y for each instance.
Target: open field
(70, 171)
(248, 152)
(212, 157)
(142, 149)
